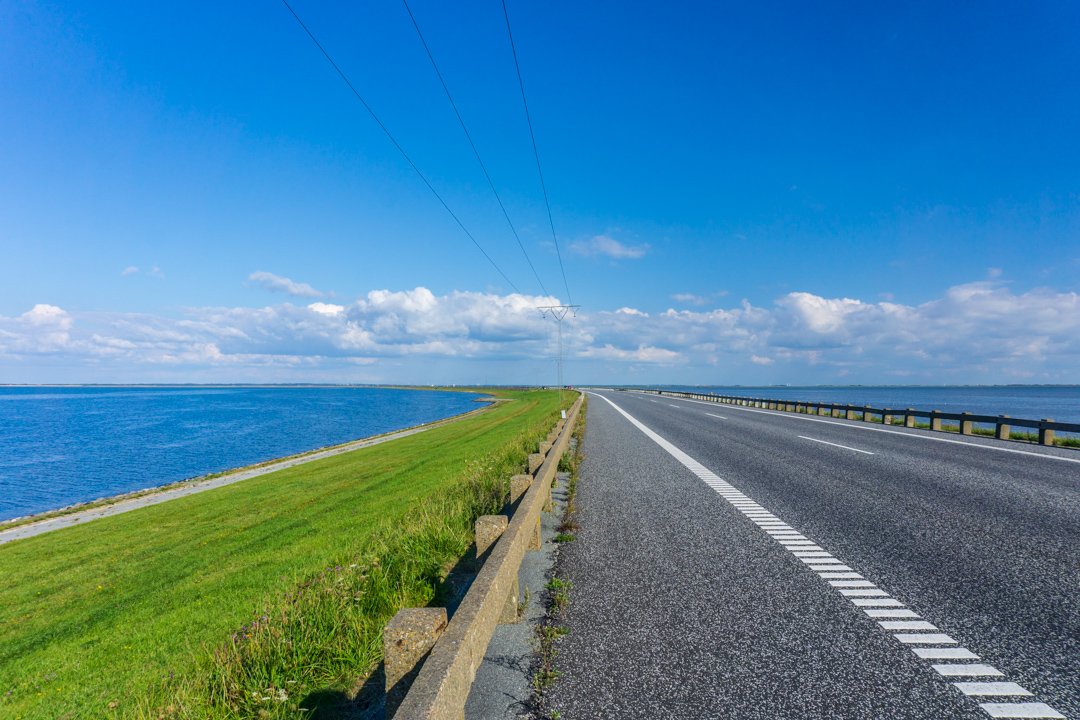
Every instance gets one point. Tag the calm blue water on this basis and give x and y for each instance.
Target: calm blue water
(60, 446)
(1057, 403)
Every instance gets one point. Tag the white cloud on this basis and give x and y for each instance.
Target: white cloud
(156, 272)
(276, 283)
(130, 270)
(609, 246)
(689, 299)
(975, 332)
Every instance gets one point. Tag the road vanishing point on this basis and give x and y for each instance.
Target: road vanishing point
(738, 563)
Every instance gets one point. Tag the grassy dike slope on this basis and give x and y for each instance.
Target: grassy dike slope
(150, 613)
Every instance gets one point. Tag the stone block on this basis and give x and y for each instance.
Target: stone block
(509, 612)
(909, 418)
(1003, 429)
(535, 461)
(519, 484)
(407, 639)
(488, 529)
(545, 448)
(1046, 435)
(536, 540)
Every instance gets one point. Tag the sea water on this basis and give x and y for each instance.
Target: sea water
(59, 446)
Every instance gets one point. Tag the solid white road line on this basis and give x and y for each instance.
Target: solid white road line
(718, 417)
(875, 602)
(856, 425)
(826, 442)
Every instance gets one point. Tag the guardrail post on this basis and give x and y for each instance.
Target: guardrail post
(545, 447)
(1002, 431)
(909, 418)
(407, 639)
(935, 421)
(1046, 434)
(535, 461)
(886, 418)
(965, 425)
(850, 413)
(867, 416)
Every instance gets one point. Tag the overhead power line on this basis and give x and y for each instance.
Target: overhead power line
(473, 146)
(536, 152)
(403, 153)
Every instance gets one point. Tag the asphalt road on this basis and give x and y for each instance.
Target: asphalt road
(702, 587)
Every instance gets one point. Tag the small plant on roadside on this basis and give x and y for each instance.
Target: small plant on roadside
(564, 537)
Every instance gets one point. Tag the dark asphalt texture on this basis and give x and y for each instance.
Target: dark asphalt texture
(682, 608)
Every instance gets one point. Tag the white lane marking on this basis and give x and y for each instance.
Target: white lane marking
(674, 406)
(906, 625)
(1020, 710)
(991, 688)
(874, 602)
(840, 576)
(826, 442)
(945, 653)
(851, 583)
(718, 417)
(892, 613)
(973, 670)
(857, 425)
(925, 639)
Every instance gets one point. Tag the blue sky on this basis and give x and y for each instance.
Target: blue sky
(742, 193)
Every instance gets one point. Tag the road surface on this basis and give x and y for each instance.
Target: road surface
(743, 563)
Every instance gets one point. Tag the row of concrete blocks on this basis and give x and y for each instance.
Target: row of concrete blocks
(1002, 429)
(412, 632)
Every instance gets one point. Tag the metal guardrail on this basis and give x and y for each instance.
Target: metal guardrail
(1003, 424)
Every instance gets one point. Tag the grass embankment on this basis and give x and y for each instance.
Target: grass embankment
(254, 599)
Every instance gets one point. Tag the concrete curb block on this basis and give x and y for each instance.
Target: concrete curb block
(443, 682)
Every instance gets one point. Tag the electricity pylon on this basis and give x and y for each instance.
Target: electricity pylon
(559, 312)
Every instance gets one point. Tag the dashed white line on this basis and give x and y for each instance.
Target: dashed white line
(826, 442)
(990, 688)
(718, 417)
(1020, 710)
(873, 601)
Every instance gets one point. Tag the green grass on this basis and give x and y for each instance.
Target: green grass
(151, 612)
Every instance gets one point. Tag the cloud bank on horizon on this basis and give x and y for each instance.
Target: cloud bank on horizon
(975, 333)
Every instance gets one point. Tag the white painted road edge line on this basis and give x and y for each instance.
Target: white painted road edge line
(863, 598)
(826, 442)
(857, 425)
